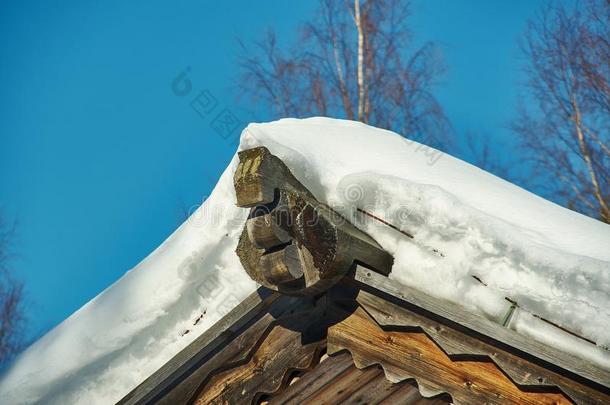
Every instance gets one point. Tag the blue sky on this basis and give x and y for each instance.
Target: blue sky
(99, 157)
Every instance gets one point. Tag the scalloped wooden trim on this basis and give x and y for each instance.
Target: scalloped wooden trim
(413, 355)
(575, 368)
(280, 353)
(459, 345)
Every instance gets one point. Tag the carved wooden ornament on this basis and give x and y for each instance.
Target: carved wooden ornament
(291, 242)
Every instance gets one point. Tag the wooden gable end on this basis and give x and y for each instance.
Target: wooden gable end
(355, 328)
(328, 326)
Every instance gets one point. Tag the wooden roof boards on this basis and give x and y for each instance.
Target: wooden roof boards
(329, 326)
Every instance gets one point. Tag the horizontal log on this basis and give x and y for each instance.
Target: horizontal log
(291, 242)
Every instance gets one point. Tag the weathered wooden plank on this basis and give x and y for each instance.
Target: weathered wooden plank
(343, 386)
(377, 390)
(237, 351)
(407, 394)
(446, 325)
(459, 345)
(406, 355)
(389, 315)
(312, 381)
(440, 400)
(449, 312)
(221, 332)
(290, 312)
(284, 349)
(372, 392)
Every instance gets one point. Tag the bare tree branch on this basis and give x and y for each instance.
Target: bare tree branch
(565, 130)
(11, 298)
(352, 61)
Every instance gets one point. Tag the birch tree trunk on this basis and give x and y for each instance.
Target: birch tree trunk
(361, 92)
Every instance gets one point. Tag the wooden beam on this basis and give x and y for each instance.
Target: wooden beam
(459, 346)
(458, 317)
(410, 354)
(283, 350)
(181, 365)
(291, 242)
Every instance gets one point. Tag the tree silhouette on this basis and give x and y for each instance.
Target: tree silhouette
(565, 132)
(354, 60)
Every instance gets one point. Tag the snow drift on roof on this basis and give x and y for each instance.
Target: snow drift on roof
(476, 240)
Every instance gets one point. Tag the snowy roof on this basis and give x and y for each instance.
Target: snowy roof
(475, 240)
